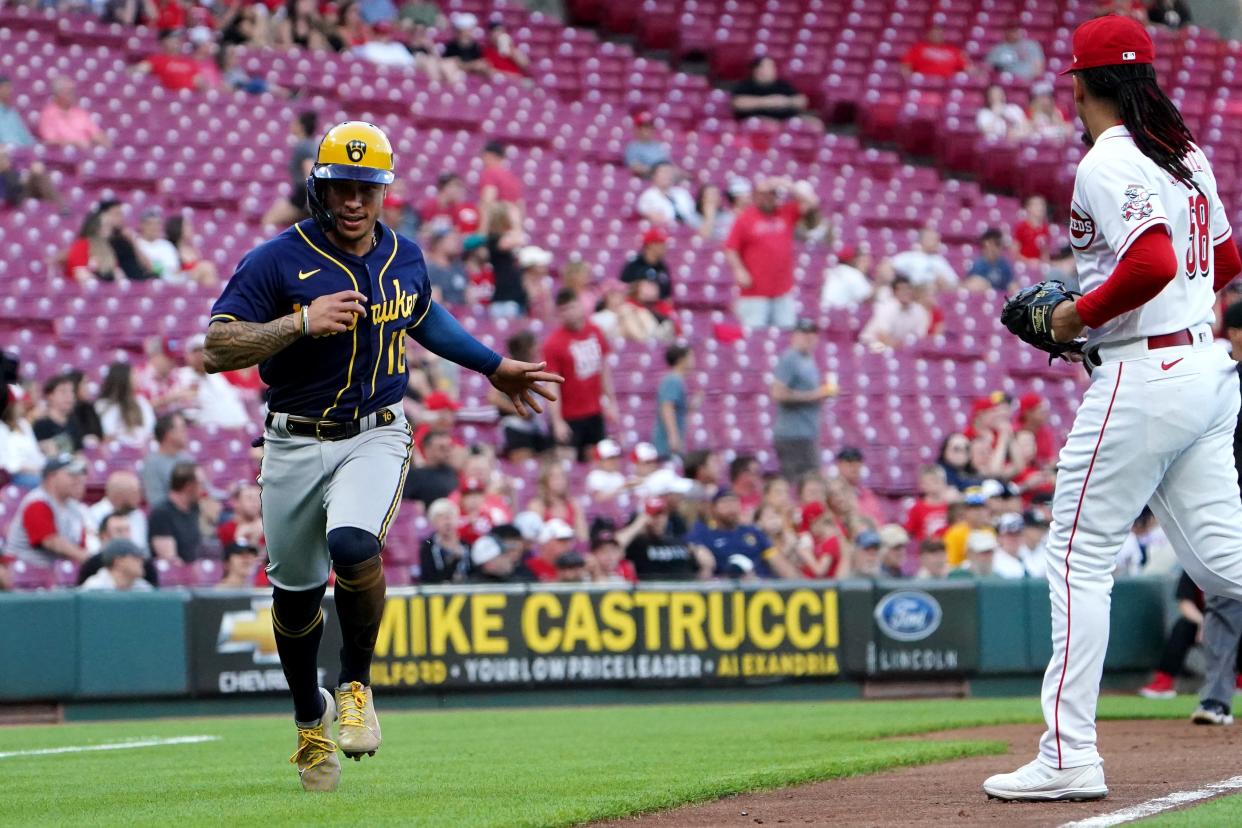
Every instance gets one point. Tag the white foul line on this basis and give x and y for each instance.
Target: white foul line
(1155, 806)
(139, 743)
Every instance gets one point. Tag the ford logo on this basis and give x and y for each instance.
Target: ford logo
(908, 616)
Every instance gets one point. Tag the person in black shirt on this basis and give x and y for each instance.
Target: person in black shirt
(442, 556)
(463, 48)
(764, 95)
(659, 555)
(648, 263)
(57, 430)
(503, 241)
(174, 526)
(121, 239)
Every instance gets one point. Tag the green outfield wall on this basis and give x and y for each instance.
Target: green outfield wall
(71, 646)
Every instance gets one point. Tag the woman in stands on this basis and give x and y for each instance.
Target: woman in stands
(180, 231)
(90, 257)
(955, 460)
(125, 416)
(553, 500)
(20, 456)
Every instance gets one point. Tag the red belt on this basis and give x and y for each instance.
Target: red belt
(1171, 340)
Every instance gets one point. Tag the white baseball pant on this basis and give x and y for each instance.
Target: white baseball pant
(1155, 427)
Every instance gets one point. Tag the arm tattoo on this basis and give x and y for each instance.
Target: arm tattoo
(233, 345)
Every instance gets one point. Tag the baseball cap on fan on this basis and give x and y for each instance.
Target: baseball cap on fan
(1111, 40)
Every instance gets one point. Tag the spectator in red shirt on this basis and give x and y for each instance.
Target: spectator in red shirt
(933, 57)
(928, 516)
(245, 525)
(1033, 417)
(555, 539)
(501, 53)
(553, 499)
(578, 352)
(607, 561)
(760, 248)
(171, 67)
(450, 202)
(823, 546)
(1031, 236)
(497, 183)
(169, 14)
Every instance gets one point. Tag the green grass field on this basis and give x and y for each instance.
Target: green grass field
(497, 767)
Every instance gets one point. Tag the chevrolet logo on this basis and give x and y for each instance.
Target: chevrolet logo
(306, 274)
(249, 631)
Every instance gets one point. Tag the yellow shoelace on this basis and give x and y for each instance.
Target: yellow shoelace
(353, 706)
(313, 747)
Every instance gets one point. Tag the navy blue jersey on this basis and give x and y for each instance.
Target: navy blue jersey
(340, 376)
(740, 540)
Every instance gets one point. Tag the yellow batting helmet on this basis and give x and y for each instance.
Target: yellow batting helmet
(352, 151)
(356, 151)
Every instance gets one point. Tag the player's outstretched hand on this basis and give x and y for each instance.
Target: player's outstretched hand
(521, 381)
(335, 312)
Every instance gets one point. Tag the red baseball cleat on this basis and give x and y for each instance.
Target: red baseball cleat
(1160, 687)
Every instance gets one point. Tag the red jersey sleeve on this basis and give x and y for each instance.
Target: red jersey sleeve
(1227, 263)
(39, 522)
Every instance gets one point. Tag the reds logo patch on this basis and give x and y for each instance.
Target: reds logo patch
(1138, 203)
(1081, 230)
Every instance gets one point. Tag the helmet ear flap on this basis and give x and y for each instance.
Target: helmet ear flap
(315, 205)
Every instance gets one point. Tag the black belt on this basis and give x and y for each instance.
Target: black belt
(332, 430)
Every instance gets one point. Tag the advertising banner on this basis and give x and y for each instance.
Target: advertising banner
(924, 629)
(451, 638)
(233, 648)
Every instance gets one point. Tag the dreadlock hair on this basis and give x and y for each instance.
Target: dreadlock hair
(1153, 121)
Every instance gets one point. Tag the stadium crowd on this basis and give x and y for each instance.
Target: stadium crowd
(700, 512)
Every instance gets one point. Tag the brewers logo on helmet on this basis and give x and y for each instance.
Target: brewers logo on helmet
(353, 151)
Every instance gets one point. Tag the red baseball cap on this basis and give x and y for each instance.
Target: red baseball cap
(1029, 400)
(439, 401)
(472, 485)
(643, 118)
(1111, 40)
(655, 235)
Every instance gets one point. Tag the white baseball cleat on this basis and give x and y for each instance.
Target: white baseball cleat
(1037, 782)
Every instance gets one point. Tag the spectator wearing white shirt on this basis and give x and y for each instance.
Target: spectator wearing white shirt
(122, 569)
(382, 50)
(606, 480)
(124, 416)
(846, 284)
(664, 202)
(219, 402)
(160, 253)
(122, 496)
(925, 265)
(999, 119)
(897, 319)
(20, 454)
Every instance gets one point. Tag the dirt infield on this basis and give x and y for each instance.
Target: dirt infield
(1143, 760)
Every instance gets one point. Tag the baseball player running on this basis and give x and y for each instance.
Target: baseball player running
(1152, 244)
(324, 309)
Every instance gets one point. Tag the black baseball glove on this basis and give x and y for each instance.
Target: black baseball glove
(1028, 316)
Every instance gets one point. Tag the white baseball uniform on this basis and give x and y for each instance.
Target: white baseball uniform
(1155, 426)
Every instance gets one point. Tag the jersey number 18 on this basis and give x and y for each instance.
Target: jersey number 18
(1198, 251)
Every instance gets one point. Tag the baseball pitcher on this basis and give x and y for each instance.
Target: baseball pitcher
(1153, 245)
